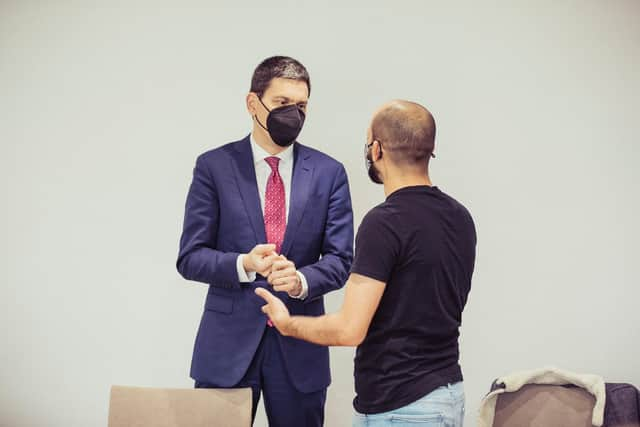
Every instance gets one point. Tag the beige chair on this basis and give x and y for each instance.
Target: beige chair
(154, 407)
(544, 406)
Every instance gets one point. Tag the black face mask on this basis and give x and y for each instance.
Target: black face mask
(283, 123)
(374, 175)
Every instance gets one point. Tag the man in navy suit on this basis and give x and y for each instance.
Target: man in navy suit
(267, 211)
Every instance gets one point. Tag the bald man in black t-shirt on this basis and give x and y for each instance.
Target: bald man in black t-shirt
(408, 286)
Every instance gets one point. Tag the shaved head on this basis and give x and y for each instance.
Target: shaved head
(406, 131)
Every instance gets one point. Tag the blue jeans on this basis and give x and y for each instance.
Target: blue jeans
(444, 407)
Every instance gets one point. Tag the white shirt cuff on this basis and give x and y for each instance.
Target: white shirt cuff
(243, 276)
(305, 286)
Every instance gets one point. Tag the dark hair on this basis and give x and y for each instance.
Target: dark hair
(278, 67)
(407, 132)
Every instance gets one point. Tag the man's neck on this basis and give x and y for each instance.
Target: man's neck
(262, 138)
(391, 185)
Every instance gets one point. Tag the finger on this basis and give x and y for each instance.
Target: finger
(264, 249)
(264, 294)
(265, 264)
(273, 277)
(275, 266)
(268, 261)
(281, 265)
(284, 288)
(272, 257)
(284, 281)
(270, 279)
(265, 267)
(289, 272)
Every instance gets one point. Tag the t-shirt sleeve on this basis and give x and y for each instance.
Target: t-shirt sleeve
(377, 247)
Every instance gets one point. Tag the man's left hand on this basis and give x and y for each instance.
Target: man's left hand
(284, 277)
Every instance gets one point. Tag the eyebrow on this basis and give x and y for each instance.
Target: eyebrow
(285, 99)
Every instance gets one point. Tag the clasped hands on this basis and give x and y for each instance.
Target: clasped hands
(280, 272)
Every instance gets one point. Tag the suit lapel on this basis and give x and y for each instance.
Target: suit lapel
(245, 171)
(300, 189)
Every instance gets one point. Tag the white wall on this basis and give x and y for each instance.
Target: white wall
(103, 110)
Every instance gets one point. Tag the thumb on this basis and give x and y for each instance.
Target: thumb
(264, 294)
(265, 249)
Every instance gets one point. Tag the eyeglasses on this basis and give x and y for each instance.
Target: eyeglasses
(368, 145)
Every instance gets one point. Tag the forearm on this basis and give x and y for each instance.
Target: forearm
(347, 327)
(209, 266)
(327, 330)
(328, 274)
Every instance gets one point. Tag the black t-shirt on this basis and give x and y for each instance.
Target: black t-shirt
(421, 243)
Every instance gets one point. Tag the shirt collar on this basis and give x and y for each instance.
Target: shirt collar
(259, 154)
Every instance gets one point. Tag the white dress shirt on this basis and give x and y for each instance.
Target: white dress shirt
(263, 172)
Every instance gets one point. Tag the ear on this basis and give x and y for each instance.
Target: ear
(376, 151)
(251, 101)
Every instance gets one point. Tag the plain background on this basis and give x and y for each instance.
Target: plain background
(105, 106)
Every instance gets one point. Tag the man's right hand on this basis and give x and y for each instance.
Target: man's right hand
(260, 259)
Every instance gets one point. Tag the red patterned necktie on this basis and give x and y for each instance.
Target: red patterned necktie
(275, 213)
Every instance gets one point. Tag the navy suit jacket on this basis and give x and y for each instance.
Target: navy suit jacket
(223, 218)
